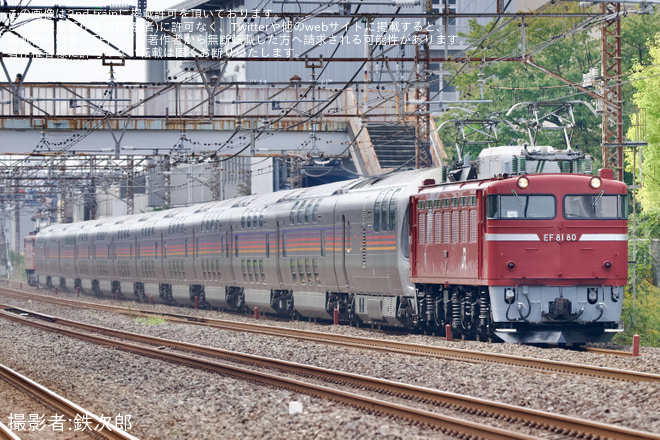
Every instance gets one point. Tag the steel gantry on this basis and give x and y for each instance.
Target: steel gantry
(422, 59)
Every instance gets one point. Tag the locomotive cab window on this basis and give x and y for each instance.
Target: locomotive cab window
(595, 206)
(516, 206)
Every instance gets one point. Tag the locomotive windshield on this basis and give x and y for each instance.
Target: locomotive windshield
(595, 206)
(516, 206)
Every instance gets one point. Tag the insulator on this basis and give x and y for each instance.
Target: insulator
(405, 3)
(514, 165)
(522, 164)
(587, 165)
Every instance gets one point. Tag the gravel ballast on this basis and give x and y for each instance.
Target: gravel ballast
(169, 401)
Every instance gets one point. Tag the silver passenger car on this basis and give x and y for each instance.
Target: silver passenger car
(307, 251)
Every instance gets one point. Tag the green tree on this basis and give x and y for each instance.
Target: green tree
(636, 31)
(647, 97)
(509, 82)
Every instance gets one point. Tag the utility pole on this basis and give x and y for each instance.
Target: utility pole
(130, 186)
(422, 96)
(612, 91)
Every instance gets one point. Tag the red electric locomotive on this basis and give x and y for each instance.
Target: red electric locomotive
(539, 258)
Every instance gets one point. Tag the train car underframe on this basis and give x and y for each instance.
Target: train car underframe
(557, 314)
(524, 314)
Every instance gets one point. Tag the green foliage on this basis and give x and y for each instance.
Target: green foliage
(648, 228)
(510, 82)
(641, 304)
(644, 318)
(636, 31)
(17, 261)
(637, 34)
(649, 223)
(647, 97)
(641, 55)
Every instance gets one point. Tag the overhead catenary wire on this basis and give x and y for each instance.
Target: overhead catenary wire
(318, 112)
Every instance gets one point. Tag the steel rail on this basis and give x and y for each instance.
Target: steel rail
(435, 351)
(607, 351)
(446, 424)
(448, 353)
(533, 418)
(6, 433)
(61, 405)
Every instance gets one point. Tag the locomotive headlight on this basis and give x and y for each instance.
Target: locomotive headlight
(592, 295)
(523, 182)
(595, 182)
(607, 265)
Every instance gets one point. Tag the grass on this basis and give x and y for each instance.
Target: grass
(643, 319)
(151, 320)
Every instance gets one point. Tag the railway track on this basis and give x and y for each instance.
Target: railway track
(61, 406)
(607, 351)
(363, 343)
(545, 423)
(6, 433)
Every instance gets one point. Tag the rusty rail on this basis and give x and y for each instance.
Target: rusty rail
(59, 404)
(569, 426)
(448, 353)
